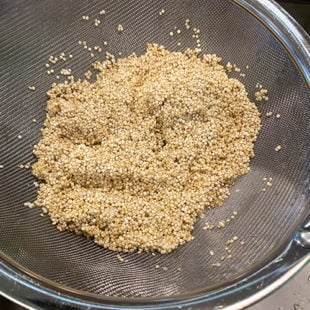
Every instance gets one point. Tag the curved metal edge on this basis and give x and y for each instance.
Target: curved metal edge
(237, 296)
(294, 38)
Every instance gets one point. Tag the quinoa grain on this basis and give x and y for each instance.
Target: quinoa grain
(134, 169)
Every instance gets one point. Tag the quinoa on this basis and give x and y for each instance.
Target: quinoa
(132, 160)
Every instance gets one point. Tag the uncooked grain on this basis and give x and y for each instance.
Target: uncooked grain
(133, 159)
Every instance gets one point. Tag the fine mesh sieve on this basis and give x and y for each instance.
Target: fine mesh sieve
(32, 31)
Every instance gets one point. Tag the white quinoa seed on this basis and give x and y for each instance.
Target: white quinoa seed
(278, 148)
(29, 204)
(216, 265)
(121, 259)
(136, 168)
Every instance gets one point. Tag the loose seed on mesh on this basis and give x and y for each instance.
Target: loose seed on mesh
(120, 258)
(187, 24)
(278, 148)
(32, 88)
(29, 204)
(216, 264)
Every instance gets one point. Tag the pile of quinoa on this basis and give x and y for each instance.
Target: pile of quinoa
(133, 159)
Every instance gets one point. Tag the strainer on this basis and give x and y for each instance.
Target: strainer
(43, 268)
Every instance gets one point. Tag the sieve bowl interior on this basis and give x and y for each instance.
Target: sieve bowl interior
(31, 32)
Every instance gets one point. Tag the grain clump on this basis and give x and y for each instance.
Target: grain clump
(133, 159)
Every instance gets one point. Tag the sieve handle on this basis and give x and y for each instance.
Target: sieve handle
(302, 236)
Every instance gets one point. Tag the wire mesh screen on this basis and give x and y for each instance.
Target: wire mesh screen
(32, 31)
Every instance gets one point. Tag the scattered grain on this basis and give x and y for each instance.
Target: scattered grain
(29, 204)
(216, 265)
(278, 148)
(121, 259)
(261, 95)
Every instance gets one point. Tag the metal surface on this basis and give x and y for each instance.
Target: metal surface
(31, 32)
